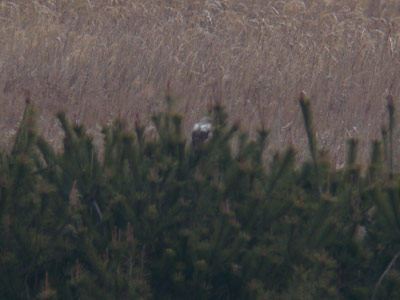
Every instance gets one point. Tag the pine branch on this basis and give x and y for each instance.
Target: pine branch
(305, 104)
(390, 107)
(351, 152)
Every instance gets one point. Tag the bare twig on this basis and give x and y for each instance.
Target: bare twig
(391, 264)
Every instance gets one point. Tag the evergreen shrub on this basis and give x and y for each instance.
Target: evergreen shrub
(159, 219)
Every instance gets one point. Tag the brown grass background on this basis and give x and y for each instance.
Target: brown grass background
(105, 59)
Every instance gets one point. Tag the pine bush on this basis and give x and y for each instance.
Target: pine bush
(161, 219)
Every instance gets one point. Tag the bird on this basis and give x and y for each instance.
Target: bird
(201, 131)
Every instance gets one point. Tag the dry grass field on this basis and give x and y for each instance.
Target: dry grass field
(105, 59)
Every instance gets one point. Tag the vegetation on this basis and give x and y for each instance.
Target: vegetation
(116, 204)
(99, 60)
(157, 219)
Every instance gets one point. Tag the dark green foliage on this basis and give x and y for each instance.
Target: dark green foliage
(157, 219)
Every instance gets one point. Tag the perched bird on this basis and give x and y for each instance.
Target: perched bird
(201, 131)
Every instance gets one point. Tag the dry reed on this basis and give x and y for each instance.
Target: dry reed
(104, 59)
